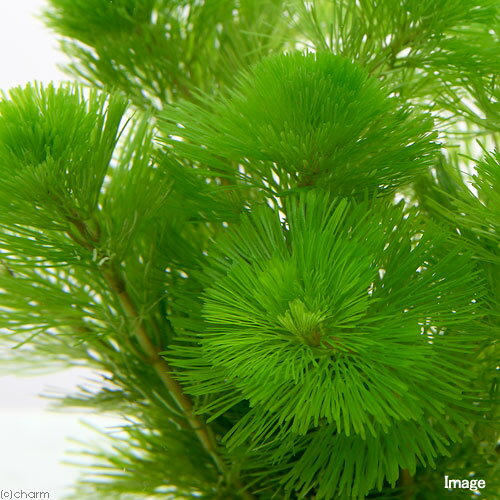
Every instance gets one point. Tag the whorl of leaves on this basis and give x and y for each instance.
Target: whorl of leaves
(346, 317)
(303, 120)
(55, 149)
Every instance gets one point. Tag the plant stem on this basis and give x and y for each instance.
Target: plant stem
(161, 367)
(406, 482)
(164, 370)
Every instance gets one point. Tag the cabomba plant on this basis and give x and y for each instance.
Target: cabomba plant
(272, 227)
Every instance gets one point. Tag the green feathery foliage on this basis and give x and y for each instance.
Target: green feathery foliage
(119, 43)
(337, 324)
(269, 229)
(298, 120)
(52, 134)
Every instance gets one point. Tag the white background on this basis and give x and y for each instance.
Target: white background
(34, 441)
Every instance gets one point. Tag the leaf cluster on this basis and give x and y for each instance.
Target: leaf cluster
(301, 120)
(334, 325)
